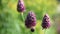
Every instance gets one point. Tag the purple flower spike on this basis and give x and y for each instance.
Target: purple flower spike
(30, 21)
(20, 6)
(46, 21)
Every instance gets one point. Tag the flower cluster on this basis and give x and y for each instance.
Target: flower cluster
(30, 20)
(46, 21)
(20, 6)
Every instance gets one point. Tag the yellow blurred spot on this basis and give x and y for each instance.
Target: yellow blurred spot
(29, 3)
(41, 32)
(10, 4)
(14, 6)
(38, 1)
(38, 24)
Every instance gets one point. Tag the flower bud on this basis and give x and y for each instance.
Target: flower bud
(20, 6)
(32, 29)
(30, 20)
(46, 21)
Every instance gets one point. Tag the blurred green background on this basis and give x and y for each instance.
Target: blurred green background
(11, 21)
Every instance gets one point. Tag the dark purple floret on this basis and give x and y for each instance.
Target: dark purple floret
(30, 20)
(20, 6)
(46, 21)
(32, 29)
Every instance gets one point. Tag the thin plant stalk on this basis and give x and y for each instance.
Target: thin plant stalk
(22, 16)
(44, 31)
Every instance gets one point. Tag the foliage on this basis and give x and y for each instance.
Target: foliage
(10, 19)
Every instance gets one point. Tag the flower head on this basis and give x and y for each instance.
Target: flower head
(30, 20)
(20, 6)
(46, 21)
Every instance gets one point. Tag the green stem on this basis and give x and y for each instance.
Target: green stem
(31, 32)
(45, 31)
(22, 17)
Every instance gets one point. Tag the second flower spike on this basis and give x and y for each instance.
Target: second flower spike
(30, 21)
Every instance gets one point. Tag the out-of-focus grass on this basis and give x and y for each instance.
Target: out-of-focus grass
(10, 19)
